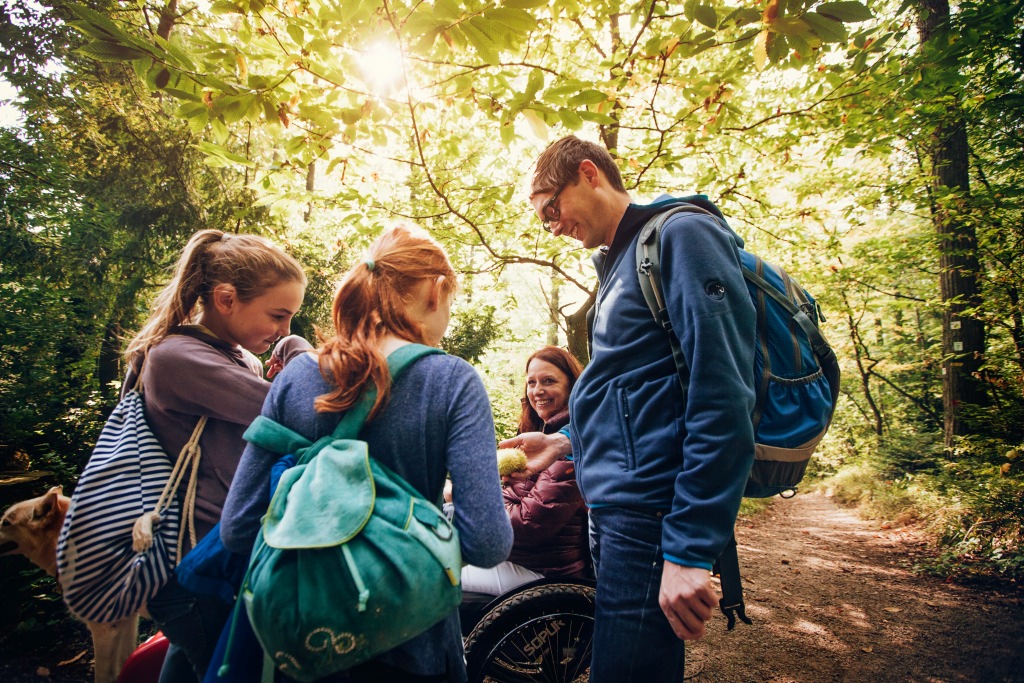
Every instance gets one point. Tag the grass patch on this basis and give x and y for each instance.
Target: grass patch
(969, 502)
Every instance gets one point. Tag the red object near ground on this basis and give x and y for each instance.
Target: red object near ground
(144, 664)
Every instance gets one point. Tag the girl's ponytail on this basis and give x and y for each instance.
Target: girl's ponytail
(372, 302)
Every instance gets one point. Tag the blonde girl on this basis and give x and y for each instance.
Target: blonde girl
(231, 296)
(436, 419)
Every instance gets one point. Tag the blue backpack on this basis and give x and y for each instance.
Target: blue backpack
(795, 371)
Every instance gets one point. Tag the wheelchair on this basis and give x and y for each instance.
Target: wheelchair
(540, 632)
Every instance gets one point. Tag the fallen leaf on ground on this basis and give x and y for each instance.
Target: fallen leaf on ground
(869, 649)
(892, 609)
(73, 659)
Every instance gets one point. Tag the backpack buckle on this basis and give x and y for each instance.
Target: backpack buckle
(733, 611)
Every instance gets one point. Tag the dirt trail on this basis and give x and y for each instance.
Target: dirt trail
(833, 598)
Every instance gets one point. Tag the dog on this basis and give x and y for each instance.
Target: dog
(31, 528)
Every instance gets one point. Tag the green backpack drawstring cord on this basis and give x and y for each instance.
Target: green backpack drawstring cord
(364, 594)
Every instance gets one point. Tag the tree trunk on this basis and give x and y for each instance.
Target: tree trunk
(310, 186)
(108, 367)
(963, 335)
(168, 15)
(577, 331)
(553, 311)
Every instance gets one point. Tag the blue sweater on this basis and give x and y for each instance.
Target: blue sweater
(635, 440)
(438, 420)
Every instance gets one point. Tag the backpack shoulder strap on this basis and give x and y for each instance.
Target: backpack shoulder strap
(277, 438)
(648, 267)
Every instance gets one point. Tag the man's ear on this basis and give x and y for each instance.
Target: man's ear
(224, 297)
(589, 172)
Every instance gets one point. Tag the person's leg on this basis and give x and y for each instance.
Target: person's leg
(192, 623)
(633, 642)
(176, 667)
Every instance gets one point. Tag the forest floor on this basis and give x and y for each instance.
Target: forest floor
(833, 598)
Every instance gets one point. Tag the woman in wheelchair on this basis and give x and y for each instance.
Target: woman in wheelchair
(539, 626)
(549, 518)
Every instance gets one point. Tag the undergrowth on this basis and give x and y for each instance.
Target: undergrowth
(969, 501)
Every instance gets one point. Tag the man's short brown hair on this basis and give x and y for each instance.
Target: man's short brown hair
(560, 162)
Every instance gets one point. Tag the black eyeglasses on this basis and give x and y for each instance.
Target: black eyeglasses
(549, 212)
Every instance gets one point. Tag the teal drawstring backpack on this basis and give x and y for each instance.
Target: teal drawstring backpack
(351, 560)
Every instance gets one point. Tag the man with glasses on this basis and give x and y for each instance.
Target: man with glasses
(662, 471)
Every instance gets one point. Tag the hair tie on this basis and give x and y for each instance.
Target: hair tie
(370, 264)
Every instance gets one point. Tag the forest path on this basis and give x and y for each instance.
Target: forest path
(833, 598)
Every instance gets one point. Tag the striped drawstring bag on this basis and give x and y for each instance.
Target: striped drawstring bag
(122, 535)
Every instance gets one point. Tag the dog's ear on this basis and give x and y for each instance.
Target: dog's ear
(48, 505)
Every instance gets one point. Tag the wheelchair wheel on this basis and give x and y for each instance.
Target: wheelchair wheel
(540, 634)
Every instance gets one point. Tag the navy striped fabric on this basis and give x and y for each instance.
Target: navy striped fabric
(102, 577)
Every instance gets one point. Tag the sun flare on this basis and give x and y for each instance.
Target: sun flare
(382, 65)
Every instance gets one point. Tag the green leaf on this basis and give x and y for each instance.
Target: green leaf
(534, 84)
(525, 4)
(847, 11)
(225, 7)
(484, 46)
(219, 129)
(595, 117)
(791, 26)
(183, 95)
(778, 49)
(537, 123)
(103, 51)
(191, 110)
(520, 21)
(829, 30)
(270, 111)
(570, 119)
(508, 133)
(494, 31)
(221, 152)
(743, 16)
(88, 29)
(142, 67)
(447, 9)
(297, 34)
(98, 22)
(587, 97)
(706, 15)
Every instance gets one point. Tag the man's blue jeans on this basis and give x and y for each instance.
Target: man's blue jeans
(633, 642)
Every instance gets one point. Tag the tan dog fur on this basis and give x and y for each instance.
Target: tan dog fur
(33, 526)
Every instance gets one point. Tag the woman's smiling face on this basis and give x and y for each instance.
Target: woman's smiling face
(547, 388)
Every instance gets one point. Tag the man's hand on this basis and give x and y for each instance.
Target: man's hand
(541, 450)
(687, 599)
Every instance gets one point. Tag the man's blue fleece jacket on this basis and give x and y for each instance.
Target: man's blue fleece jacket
(635, 440)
